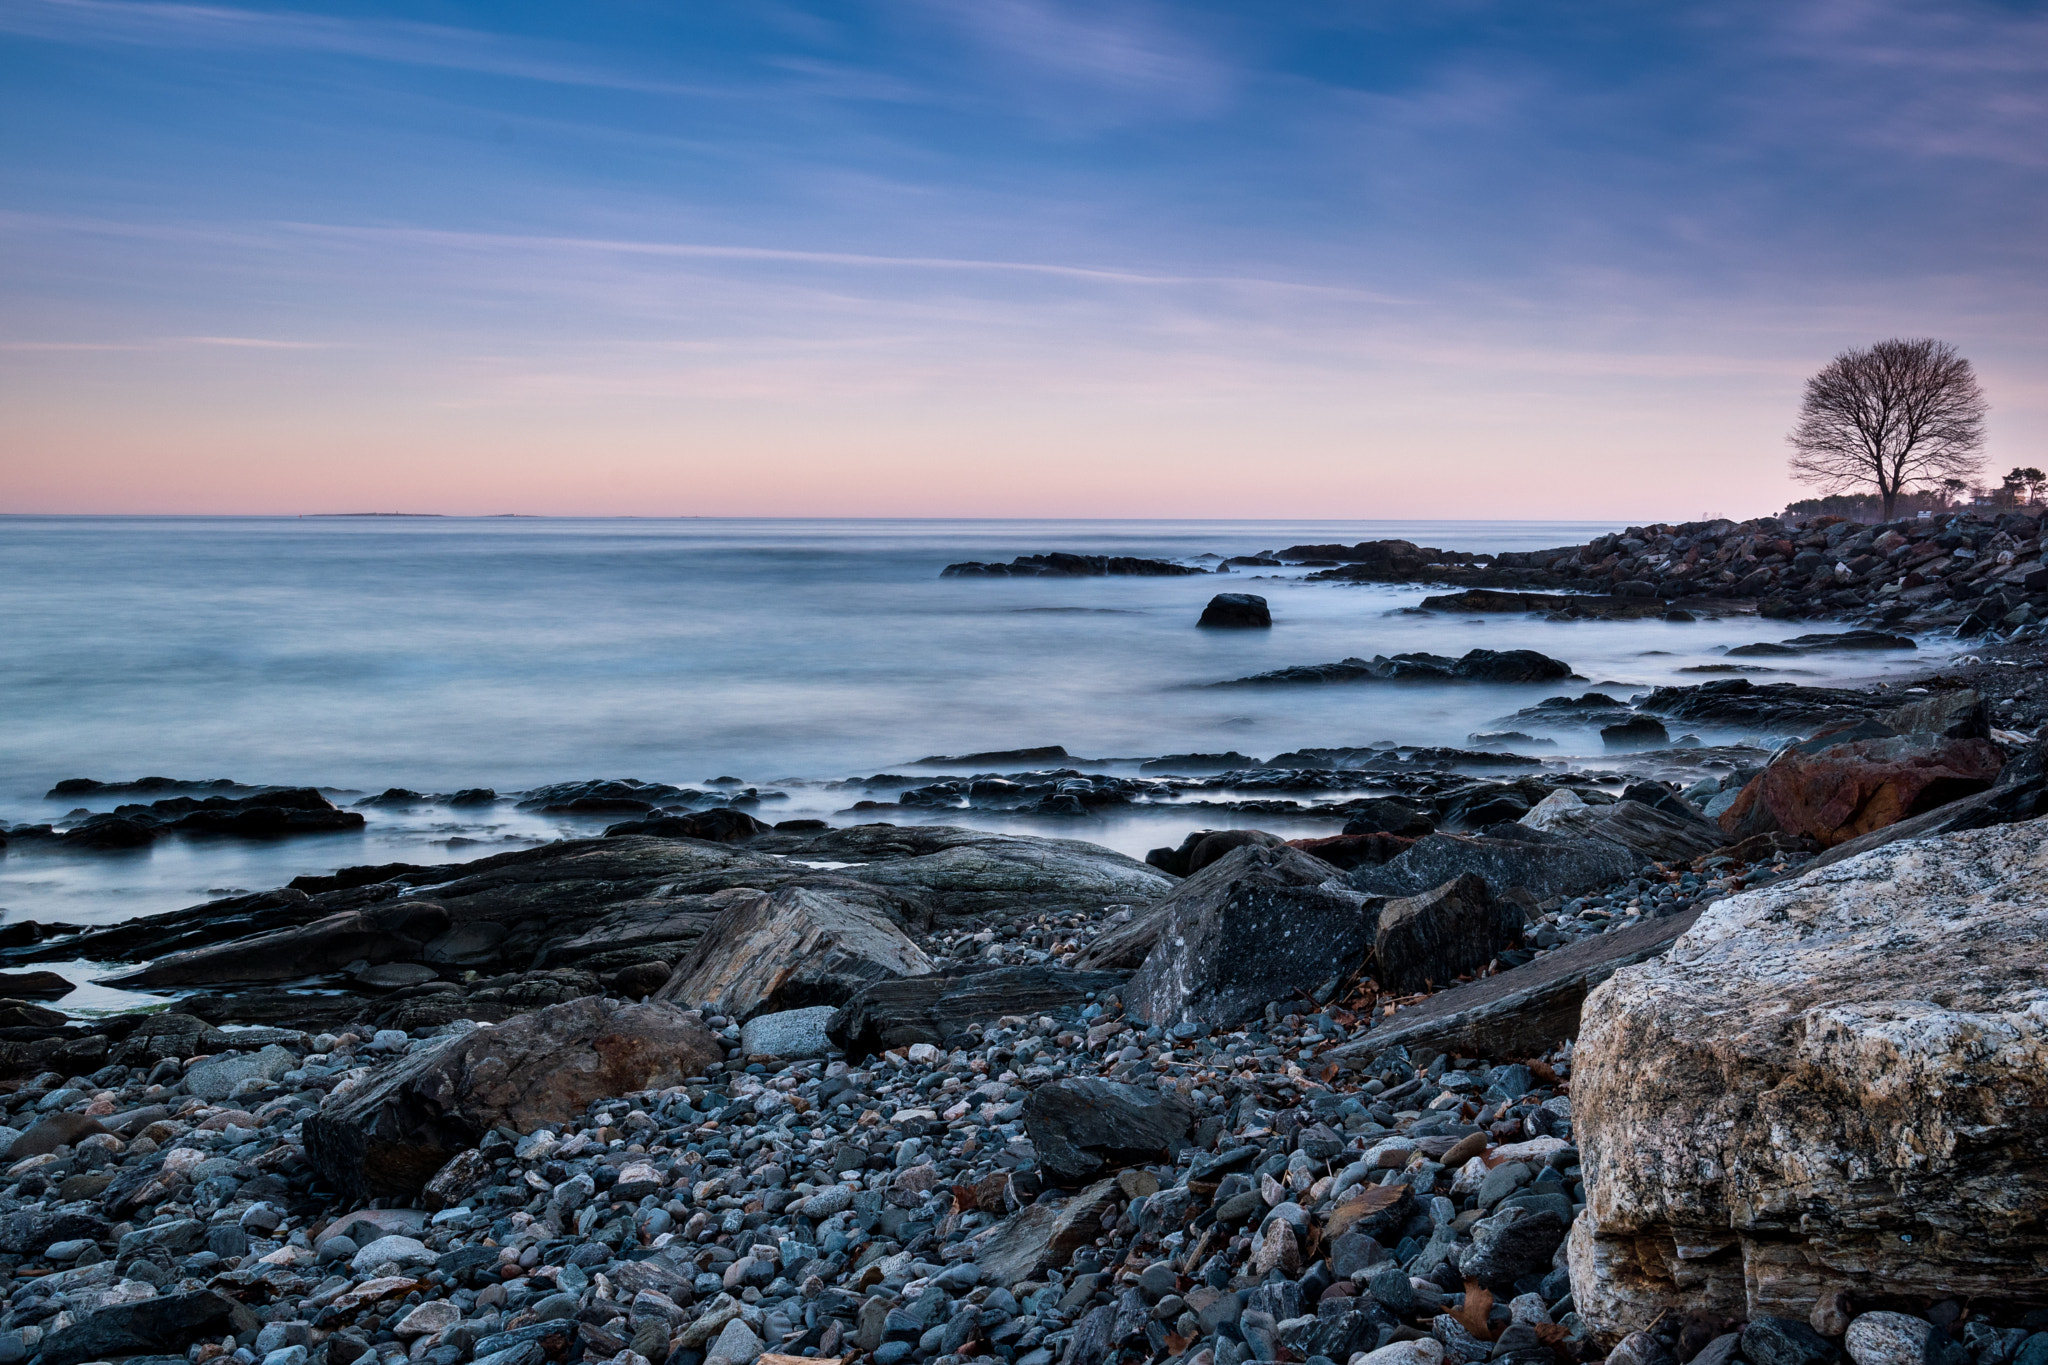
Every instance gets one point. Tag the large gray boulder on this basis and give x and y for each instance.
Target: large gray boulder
(1257, 925)
(389, 1133)
(1836, 1082)
(793, 949)
(1506, 856)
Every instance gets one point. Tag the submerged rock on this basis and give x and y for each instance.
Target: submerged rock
(1240, 610)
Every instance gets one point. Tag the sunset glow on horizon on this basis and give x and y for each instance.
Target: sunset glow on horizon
(1017, 258)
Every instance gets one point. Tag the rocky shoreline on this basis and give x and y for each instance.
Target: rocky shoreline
(1739, 1068)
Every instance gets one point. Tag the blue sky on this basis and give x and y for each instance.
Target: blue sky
(1013, 257)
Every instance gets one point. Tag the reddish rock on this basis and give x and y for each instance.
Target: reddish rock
(1848, 782)
(1354, 850)
(397, 1127)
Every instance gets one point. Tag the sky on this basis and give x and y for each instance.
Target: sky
(995, 257)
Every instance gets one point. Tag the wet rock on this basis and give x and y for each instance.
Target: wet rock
(1441, 935)
(723, 825)
(794, 949)
(1082, 1126)
(1256, 926)
(1857, 1029)
(1380, 816)
(398, 931)
(1346, 851)
(34, 986)
(1059, 564)
(1506, 856)
(1479, 665)
(403, 1123)
(1637, 732)
(1781, 1341)
(1241, 610)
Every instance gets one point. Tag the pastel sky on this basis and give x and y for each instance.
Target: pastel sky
(994, 257)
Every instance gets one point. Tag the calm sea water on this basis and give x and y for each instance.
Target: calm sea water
(437, 654)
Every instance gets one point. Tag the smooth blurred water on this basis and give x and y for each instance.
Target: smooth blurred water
(445, 653)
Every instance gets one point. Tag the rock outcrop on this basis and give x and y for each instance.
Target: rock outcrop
(390, 1132)
(1837, 1082)
(1479, 665)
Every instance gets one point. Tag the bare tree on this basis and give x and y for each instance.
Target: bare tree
(1901, 412)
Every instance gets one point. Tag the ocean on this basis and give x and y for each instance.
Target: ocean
(435, 654)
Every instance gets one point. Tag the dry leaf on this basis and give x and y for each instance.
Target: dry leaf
(1478, 1304)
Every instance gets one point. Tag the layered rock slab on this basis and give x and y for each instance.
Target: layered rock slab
(1837, 1082)
(793, 949)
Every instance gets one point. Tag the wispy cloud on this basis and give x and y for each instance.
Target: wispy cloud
(1126, 56)
(255, 343)
(224, 27)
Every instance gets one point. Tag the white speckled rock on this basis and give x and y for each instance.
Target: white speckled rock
(1887, 1339)
(1837, 1082)
(791, 1035)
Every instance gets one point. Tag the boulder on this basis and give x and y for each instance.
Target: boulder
(721, 826)
(1654, 832)
(1637, 732)
(215, 1079)
(1382, 816)
(937, 1008)
(790, 1034)
(2021, 793)
(791, 949)
(1507, 856)
(1346, 851)
(399, 1125)
(1838, 1082)
(1081, 1126)
(1212, 847)
(1848, 781)
(34, 986)
(1258, 925)
(1432, 939)
(1239, 610)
